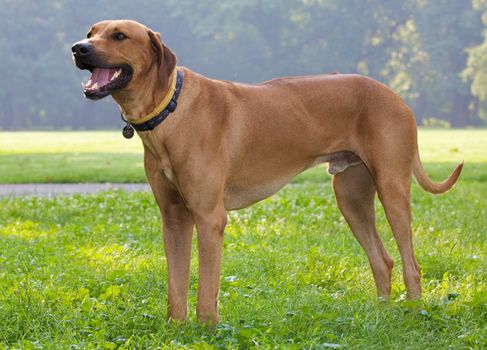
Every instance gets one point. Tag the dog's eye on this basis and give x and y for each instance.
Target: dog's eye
(119, 36)
(88, 35)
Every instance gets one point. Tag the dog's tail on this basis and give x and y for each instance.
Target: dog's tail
(428, 185)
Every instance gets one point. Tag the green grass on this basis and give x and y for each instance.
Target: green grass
(60, 157)
(81, 272)
(107, 157)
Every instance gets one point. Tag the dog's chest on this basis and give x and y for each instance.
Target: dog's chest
(168, 173)
(159, 160)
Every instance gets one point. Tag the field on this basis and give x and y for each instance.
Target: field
(65, 157)
(88, 271)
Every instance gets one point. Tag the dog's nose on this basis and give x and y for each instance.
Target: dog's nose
(81, 48)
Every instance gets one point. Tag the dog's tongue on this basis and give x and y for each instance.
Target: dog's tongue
(101, 77)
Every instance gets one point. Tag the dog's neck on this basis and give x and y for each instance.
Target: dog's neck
(136, 103)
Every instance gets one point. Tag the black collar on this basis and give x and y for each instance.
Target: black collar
(159, 118)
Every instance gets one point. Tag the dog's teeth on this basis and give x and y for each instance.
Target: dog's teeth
(116, 74)
(94, 86)
(86, 85)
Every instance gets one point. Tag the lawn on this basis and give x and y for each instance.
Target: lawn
(107, 157)
(81, 272)
(70, 157)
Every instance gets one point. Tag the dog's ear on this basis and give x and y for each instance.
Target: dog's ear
(166, 59)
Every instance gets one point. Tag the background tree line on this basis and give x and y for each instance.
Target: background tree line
(432, 52)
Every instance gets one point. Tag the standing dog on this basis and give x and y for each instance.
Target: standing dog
(212, 146)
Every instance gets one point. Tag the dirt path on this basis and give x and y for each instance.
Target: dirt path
(65, 189)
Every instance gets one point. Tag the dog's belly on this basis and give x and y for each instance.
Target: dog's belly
(238, 196)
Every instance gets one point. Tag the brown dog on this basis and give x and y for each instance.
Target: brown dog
(228, 145)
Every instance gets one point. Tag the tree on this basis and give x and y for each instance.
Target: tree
(430, 58)
(476, 70)
(416, 46)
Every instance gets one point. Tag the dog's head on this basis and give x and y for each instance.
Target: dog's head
(120, 54)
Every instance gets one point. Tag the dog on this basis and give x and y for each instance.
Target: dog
(211, 146)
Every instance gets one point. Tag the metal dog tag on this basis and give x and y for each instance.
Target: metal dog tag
(128, 131)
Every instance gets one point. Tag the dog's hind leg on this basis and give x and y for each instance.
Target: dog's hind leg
(395, 197)
(391, 168)
(355, 192)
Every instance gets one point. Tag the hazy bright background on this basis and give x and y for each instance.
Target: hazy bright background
(432, 52)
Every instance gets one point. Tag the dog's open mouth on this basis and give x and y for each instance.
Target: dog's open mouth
(105, 80)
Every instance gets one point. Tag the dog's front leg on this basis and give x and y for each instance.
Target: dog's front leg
(178, 233)
(210, 227)
(177, 227)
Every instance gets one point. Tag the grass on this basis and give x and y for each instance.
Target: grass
(62, 157)
(82, 272)
(70, 157)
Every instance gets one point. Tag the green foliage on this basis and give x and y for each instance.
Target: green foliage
(476, 70)
(418, 47)
(436, 123)
(434, 43)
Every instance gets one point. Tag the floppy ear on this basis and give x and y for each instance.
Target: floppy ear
(166, 59)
